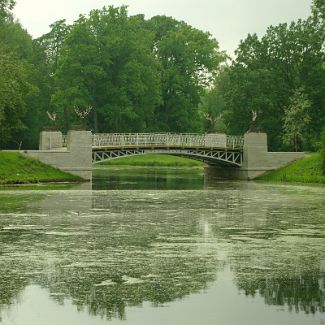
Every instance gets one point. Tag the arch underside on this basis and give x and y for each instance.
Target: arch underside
(211, 157)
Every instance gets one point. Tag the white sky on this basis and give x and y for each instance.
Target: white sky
(228, 21)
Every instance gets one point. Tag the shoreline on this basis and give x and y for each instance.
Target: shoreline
(16, 169)
(305, 171)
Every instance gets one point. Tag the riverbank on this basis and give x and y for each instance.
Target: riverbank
(155, 160)
(303, 171)
(18, 169)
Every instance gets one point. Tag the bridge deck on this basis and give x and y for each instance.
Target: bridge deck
(163, 147)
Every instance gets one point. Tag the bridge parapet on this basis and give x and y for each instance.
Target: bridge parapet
(185, 140)
(237, 157)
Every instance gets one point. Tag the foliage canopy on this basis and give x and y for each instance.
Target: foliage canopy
(162, 75)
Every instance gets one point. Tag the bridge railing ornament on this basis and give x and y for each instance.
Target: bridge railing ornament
(64, 140)
(185, 140)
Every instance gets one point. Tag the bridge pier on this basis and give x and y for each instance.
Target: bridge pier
(76, 158)
(256, 159)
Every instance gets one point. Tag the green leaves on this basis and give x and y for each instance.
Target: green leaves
(296, 120)
(190, 58)
(212, 109)
(265, 74)
(139, 75)
(106, 61)
(5, 7)
(13, 88)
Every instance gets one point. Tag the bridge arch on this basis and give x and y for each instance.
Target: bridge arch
(209, 156)
(210, 148)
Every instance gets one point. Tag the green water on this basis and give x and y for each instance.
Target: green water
(136, 248)
(148, 178)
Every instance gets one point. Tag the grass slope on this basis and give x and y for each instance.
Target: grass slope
(303, 171)
(18, 169)
(154, 160)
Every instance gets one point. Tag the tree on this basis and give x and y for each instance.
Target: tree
(212, 108)
(319, 9)
(5, 7)
(16, 42)
(190, 58)
(13, 88)
(107, 62)
(52, 42)
(77, 73)
(296, 120)
(37, 101)
(267, 71)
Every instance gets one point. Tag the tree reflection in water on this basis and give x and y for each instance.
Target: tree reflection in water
(112, 256)
(282, 258)
(128, 247)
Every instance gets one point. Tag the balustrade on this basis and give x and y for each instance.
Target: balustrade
(167, 140)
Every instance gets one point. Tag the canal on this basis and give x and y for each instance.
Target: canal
(162, 246)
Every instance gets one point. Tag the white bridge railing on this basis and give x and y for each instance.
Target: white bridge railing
(115, 140)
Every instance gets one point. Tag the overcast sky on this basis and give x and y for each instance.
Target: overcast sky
(228, 21)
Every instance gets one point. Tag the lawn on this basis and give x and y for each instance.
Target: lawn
(18, 169)
(303, 171)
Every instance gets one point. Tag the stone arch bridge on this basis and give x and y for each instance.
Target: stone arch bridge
(237, 157)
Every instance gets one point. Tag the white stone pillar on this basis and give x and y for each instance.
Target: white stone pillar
(50, 140)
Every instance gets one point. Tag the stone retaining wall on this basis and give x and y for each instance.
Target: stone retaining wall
(75, 159)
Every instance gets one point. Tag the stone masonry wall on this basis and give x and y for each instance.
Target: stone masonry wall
(75, 159)
(257, 160)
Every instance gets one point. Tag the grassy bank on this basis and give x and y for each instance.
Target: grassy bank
(154, 160)
(303, 171)
(18, 169)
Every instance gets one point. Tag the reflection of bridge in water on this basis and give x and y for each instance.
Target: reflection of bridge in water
(210, 148)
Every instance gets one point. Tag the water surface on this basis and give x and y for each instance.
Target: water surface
(214, 253)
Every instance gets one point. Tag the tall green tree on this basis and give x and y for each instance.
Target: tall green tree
(190, 58)
(52, 43)
(78, 72)
(296, 120)
(15, 50)
(107, 62)
(267, 71)
(13, 88)
(38, 99)
(19, 44)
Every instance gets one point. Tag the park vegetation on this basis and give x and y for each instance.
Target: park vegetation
(162, 75)
(309, 170)
(18, 169)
